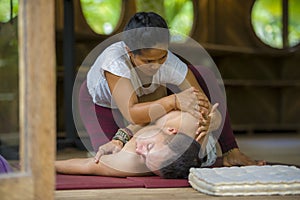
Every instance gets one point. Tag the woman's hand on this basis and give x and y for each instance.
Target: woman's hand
(193, 102)
(111, 147)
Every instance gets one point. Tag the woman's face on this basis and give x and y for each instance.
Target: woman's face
(151, 145)
(149, 60)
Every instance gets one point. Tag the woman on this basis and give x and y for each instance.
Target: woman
(131, 76)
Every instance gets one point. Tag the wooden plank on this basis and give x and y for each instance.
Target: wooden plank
(37, 104)
(261, 83)
(161, 194)
(38, 94)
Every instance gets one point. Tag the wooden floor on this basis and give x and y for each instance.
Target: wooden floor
(157, 194)
(284, 148)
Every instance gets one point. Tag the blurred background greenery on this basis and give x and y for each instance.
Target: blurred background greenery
(267, 22)
(103, 16)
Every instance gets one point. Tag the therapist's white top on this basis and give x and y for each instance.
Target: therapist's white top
(115, 60)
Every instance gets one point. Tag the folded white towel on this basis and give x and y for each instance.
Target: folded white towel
(247, 180)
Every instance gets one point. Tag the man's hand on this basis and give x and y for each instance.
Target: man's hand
(111, 147)
(206, 123)
(215, 118)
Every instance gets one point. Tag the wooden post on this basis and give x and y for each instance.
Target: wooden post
(69, 71)
(37, 104)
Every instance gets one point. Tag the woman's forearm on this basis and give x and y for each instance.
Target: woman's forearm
(144, 113)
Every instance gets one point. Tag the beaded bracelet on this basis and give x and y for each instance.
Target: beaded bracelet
(123, 135)
(128, 131)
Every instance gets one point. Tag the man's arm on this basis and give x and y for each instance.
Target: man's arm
(76, 166)
(122, 164)
(87, 166)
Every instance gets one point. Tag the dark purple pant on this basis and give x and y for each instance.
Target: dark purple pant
(102, 123)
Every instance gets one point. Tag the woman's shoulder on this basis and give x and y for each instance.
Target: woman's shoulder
(112, 56)
(114, 51)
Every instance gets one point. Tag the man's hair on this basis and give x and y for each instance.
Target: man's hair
(145, 30)
(186, 150)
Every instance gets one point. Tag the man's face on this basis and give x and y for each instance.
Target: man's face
(151, 144)
(149, 60)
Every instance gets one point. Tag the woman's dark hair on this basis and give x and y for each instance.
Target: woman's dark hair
(189, 150)
(145, 30)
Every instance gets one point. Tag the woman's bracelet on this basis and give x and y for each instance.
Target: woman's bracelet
(123, 135)
(128, 131)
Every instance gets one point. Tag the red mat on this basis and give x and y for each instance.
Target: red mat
(71, 182)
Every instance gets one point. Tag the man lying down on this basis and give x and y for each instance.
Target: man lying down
(168, 148)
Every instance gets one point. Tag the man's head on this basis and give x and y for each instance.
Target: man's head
(187, 152)
(152, 145)
(167, 153)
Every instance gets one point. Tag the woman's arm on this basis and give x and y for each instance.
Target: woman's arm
(127, 102)
(146, 112)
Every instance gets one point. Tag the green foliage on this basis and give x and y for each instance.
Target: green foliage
(156, 6)
(179, 14)
(294, 22)
(5, 10)
(267, 22)
(102, 15)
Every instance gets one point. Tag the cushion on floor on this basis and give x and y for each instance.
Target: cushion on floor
(247, 180)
